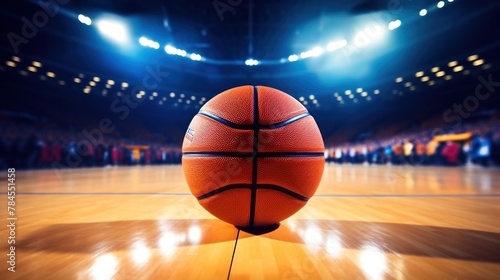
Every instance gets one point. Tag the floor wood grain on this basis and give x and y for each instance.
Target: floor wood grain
(366, 222)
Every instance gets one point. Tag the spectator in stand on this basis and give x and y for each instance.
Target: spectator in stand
(398, 152)
(72, 153)
(157, 155)
(439, 159)
(431, 151)
(484, 150)
(379, 154)
(495, 148)
(32, 151)
(387, 154)
(371, 154)
(338, 155)
(114, 154)
(408, 152)
(99, 154)
(450, 153)
(90, 155)
(352, 155)
(55, 152)
(147, 156)
(10, 149)
(466, 150)
(420, 153)
(363, 154)
(121, 154)
(45, 153)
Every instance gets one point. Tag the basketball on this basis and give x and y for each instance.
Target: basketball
(253, 156)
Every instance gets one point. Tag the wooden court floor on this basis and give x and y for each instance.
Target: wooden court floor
(365, 222)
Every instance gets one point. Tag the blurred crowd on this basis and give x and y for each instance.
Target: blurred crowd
(470, 144)
(30, 147)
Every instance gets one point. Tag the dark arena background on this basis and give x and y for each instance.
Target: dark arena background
(97, 96)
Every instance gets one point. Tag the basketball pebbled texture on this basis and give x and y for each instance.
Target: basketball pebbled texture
(253, 156)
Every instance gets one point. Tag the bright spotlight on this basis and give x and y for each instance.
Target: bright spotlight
(84, 19)
(423, 12)
(113, 30)
(336, 45)
(143, 41)
(374, 31)
(440, 4)
(170, 50)
(251, 62)
(317, 51)
(195, 57)
(394, 24)
(293, 58)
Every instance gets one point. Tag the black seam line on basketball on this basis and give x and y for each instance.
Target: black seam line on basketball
(223, 189)
(250, 154)
(253, 196)
(252, 186)
(248, 127)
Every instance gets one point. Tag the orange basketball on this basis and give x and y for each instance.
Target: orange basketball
(253, 156)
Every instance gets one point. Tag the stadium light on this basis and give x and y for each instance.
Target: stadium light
(251, 62)
(316, 51)
(478, 62)
(336, 45)
(84, 19)
(423, 12)
(394, 24)
(473, 57)
(440, 4)
(440, 74)
(172, 50)
(195, 57)
(145, 42)
(375, 31)
(293, 58)
(113, 30)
